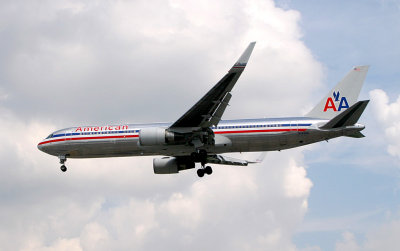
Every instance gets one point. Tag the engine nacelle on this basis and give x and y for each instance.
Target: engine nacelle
(168, 165)
(155, 136)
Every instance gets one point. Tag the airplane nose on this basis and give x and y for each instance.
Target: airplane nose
(40, 147)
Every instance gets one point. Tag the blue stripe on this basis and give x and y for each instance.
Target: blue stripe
(94, 133)
(214, 128)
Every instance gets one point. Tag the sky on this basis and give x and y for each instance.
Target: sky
(68, 63)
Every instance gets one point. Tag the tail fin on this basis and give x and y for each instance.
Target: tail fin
(348, 117)
(342, 96)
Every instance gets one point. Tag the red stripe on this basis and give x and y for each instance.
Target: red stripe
(87, 138)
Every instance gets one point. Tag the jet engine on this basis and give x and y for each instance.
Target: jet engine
(168, 165)
(158, 136)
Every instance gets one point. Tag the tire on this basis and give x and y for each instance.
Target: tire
(63, 168)
(200, 172)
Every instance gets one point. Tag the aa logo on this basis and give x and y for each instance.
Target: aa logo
(330, 104)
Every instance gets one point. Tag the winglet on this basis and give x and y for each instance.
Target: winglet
(210, 108)
(244, 58)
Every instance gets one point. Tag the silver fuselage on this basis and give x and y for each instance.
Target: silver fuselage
(246, 135)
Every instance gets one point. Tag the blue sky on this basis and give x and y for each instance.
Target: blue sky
(340, 33)
(67, 63)
(356, 33)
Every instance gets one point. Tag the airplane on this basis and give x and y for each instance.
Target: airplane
(200, 136)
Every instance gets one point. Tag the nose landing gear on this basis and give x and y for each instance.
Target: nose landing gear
(63, 159)
(63, 168)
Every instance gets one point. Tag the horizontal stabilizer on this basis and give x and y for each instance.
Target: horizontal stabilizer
(348, 117)
(356, 134)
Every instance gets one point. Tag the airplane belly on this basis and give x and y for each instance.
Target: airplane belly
(257, 142)
(277, 141)
(104, 148)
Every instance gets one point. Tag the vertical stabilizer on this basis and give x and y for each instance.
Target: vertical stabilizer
(342, 96)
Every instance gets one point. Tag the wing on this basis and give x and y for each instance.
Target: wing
(210, 108)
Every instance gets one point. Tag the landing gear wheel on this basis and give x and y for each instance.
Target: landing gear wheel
(208, 170)
(63, 168)
(63, 158)
(200, 172)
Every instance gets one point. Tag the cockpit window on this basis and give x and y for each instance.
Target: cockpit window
(50, 136)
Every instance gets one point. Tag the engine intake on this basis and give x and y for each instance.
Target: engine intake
(168, 165)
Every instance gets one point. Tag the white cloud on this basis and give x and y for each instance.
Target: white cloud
(388, 115)
(296, 183)
(311, 248)
(384, 237)
(348, 243)
(94, 237)
(121, 53)
(58, 245)
(99, 62)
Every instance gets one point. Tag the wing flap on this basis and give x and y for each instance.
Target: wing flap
(224, 160)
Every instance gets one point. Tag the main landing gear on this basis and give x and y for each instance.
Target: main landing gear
(204, 170)
(62, 161)
(201, 156)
